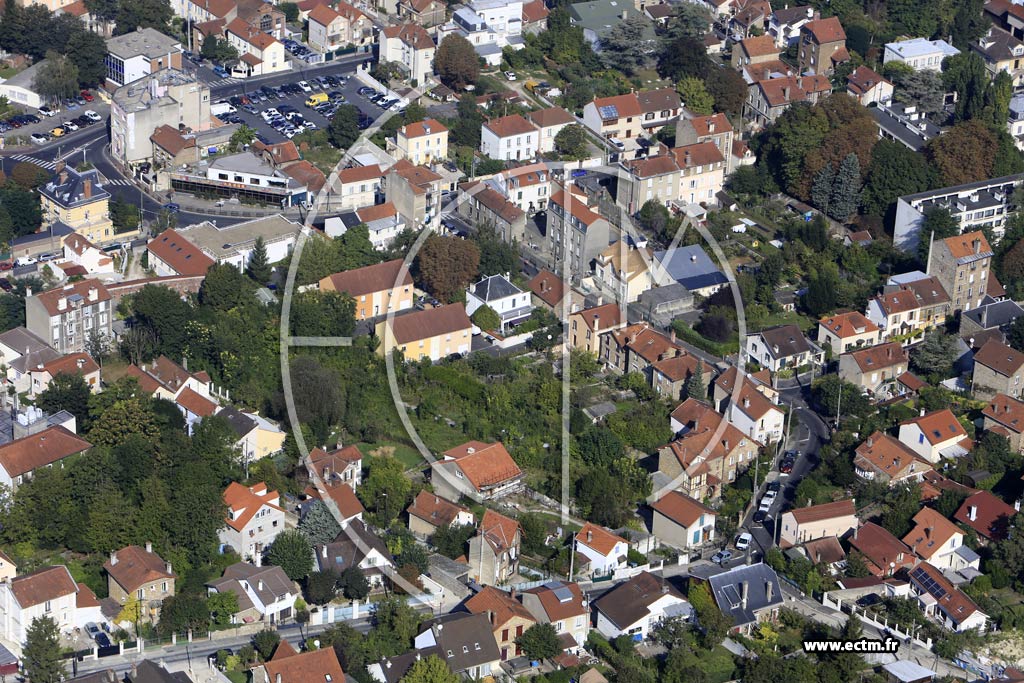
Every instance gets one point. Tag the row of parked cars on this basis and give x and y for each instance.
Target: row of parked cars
(300, 51)
(286, 120)
(381, 99)
(88, 118)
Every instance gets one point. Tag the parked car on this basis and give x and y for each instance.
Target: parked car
(92, 116)
(510, 75)
(721, 557)
(87, 96)
(743, 541)
(305, 86)
(39, 138)
(221, 71)
(102, 640)
(92, 629)
(774, 486)
(46, 111)
(868, 600)
(172, 207)
(5, 284)
(760, 516)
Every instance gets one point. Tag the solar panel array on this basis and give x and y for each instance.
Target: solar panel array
(609, 112)
(928, 583)
(563, 594)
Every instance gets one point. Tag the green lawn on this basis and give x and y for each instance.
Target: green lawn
(407, 455)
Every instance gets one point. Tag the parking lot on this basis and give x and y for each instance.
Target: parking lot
(292, 116)
(39, 128)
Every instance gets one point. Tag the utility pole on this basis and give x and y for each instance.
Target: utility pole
(839, 403)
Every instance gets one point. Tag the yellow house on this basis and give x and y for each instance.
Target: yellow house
(422, 143)
(435, 333)
(78, 200)
(376, 289)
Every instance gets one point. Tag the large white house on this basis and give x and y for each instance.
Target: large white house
(509, 138)
(510, 303)
(255, 518)
(49, 592)
(605, 551)
(635, 607)
(920, 54)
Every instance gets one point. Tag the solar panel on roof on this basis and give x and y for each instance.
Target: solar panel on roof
(928, 583)
(609, 111)
(563, 594)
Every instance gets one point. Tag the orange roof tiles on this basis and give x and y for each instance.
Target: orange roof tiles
(376, 212)
(886, 455)
(430, 323)
(72, 364)
(499, 531)
(29, 453)
(552, 116)
(850, 324)
(315, 665)
(828, 30)
(759, 46)
(421, 128)
(1007, 411)
(48, 583)
(248, 500)
(991, 516)
(83, 288)
(358, 174)
(881, 356)
(179, 254)
(930, 533)
(133, 567)
(601, 317)
(884, 552)
(817, 513)
(483, 464)
(507, 126)
(711, 125)
(1000, 357)
(499, 606)
(681, 509)
(379, 277)
(969, 245)
(434, 509)
(698, 154)
(598, 538)
(548, 287)
(196, 403)
(534, 11)
(625, 105)
(413, 35)
(939, 426)
(863, 79)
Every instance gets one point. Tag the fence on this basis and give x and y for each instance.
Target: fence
(865, 617)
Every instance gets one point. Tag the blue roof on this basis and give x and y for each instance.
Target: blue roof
(691, 267)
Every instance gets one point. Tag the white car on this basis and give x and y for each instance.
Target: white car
(39, 138)
(618, 144)
(743, 541)
(305, 86)
(92, 116)
(510, 75)
(46, 111)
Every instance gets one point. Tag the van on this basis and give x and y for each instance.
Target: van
(316, 98)
(219, 108)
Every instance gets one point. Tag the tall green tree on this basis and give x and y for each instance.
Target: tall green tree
(258, 267)
(143, 14)
(225, 287)
(695, 96)
(41, 656)
(966, 75)
(625, 46)
(571, 142)
(447, 265)
(540, 641)
(385, 489)
(318, 524)
(430, 670)
(292, 552)
(935, 354)
(846, 189)
(822, 189)
(969, 23)
(895, 171)
(87, 50)
(67, 391)
(57, 78)
(695, 387)
(343, 130)
(456, 62)
(355, 248)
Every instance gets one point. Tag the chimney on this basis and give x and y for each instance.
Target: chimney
(888, 352)
(590, 535)
(785, 93)
(928, 532)
(62, 303)
(672, 335)
(972, 512)
(259, 585)
(686, 159)
(746, 402)
(87, 188)
(977, 246)
(870, 442)
(856, 530)
(113, 559)
(711, 126)
(323, 551)
(597, 322)
(277, 678)
(743, 593)
(768, 590)
(80, 363)
(149, 546)
(94, 294)
(922, 411)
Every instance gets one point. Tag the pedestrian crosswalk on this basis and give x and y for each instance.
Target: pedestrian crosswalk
(48, 165)
(119, 181)
(225, 81)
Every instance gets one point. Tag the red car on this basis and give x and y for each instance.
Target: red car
(86, 96)
(6, 265)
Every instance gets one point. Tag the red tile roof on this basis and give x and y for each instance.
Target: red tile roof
(963, 246)
(83, 288)
(430, 323)
(1007, 411)
(863, 79)
(499, 531)
(605, 316)
(483, 464)
(885, 554)
(248, 499)
(552, 116)
(29, 453)
(828, 30)
(1000, 358)
(681, 509)
(133, 567)
(817, 513)
(72, 364)
(884, 454)
(882, 356)
(315, 665)
(413, 35)
(939, 426)
(421, 128)
(179, 254)
(930, 533)
(799, 88)
(850, 324)
(534, 11)
(499, 606)
(507, 126)
(358, 174)
(598, 538)
(48, 583)
(379, 277)
(711, 125)
(759, 46)
(698, 154)
(556, 609)
(435, 510)
(548, 287)
(376, 212)
(196, 403)
(991, 515)
(626, 105)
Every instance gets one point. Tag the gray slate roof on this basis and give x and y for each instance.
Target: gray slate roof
(727, 588)
(494, 288)
(691, 267)
(240, 423)
(465, 641)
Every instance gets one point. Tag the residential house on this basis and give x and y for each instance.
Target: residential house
(376, 290)
(357, 187)
(574, 227)
(416, 193)
(750, 18)
(769, 98)
(935, 435)
(549, 122)
(302, 667)
(920, 54)
(527, 187)
(800, 525)
(845, 332)
(987, 514)
(822, 46)
(991, 315)
(566, 607)
(535, 16)
(715, 129)
(78, 200)
(940, 599)
(260, 53)
(495, 549)
(421, 143)
(669, 376)
(462, 641)
(754, 50)
(265, 594)
(868, 87)
(962, 264)
(605, 552)
(633, 115)
(357, 546)
(755, 415)
(1002, 52)
(786, 23)
(682, 522)
(636, 348)
(68, 316)
(137, 54)
(748, 594)
(8, 570)
(884, 554)
(20, 458)
(497, 293)
(587, 327)
(888, 460)
(899, 315)
(932, 299)
(81, 252)
(699, 461)
(481, 204)
(135, 573)
(509, 138)
(652, 178)
(172, 254)
(334, 476)
(425, 13)
(49, 592)
(783, 346)
(341, 26)
(257, 437)
(724, 386)
(702, 168)
(635, 607)
(411, 46)
(80, 364)
(875, 368)
(485, 471)
(998, 369)
(428, 512)
(938, 541)
(163, 378)
(827, 552)
(1004, 415)
(254, 519)
(622, 271)
(548, 292)
(508, 617)
(434, 333)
